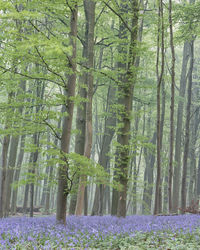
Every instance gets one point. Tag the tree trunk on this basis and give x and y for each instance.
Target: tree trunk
(148, 178)
(179, 128)
(17, 174)
(33, 169)
(13, 154)
(10, 171)
(79, 140)
(3, 174)
(50, 174)
(158, 191)
(110, 123)
(5, 145)
(198, 180)
(195, 121)
(63, 189)
(126, 92)
(44, 190)
(192, 158)
(171, 155)
(115, 198)
(187, 130)
(89, 8)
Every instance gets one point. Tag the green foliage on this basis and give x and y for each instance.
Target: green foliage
(187, 17)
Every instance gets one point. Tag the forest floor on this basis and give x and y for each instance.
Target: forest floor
(105, 232)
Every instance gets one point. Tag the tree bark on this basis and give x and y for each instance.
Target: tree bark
(89, 8)
(126, 92)
(109, 125)
(198, 179)
(50, 174)
(171, 154)
(148, 178)
(36, 137)
(10, 171)
(187, 130)
(79, 140)
(192, 156)
(17, 174)
(179, 128)
(5, 145)
(63, 189)
(158, 191)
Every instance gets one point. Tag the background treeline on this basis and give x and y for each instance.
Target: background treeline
(99, 104)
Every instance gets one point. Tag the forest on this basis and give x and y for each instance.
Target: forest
(100, 116)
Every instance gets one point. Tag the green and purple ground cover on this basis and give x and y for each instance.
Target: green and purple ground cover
(106, 232)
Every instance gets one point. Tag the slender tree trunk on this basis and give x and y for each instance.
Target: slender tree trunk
(17, 174)
(10, 171)
(193, 173)
(198, 179)
(89, 8)
(26, 191)
(63, 189)
(79, 140)
(33, 170)
(44, 190)
(148, 178)
(3, 174)
(158, 192)
(187, 130)
(110, 123)
(179, 128)
(5, 145)
(171, 154)
(50, 175)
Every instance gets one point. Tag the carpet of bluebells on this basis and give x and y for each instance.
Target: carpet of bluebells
(106, 232)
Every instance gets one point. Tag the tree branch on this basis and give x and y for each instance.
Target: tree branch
(28, 76)
(48, 68)
(52, 128)
(120, 17)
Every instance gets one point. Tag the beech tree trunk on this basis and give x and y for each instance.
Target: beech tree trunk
(10, 171)
(179, 128)
(187, 130)
(171, 154)
(158, 191)
(63, 189)
(198, 179)
(192, 155)
(110, 123)
(5, 145)
(17, 174)
(79, 140)
(36, 137)
(89, 8)
(148, 178)
(50, 175)
(125, 90)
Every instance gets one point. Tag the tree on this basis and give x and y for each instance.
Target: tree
(179, 127)
(63, 188)
(187, 129)
(89, 8)
(125, 91)
(158, 194)
(171, 107)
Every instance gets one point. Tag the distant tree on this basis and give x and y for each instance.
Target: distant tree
(160, 39)
(187, 129)
(171, 156)
(89, 8)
